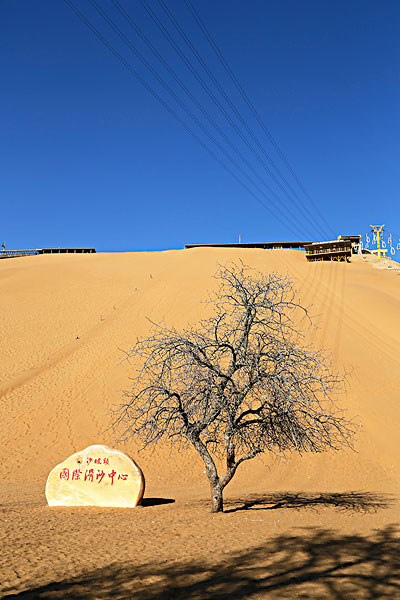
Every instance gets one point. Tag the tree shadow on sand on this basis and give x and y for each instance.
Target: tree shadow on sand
(348, 501)
(316, 564)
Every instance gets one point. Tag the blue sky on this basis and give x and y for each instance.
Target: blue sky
(89, 158)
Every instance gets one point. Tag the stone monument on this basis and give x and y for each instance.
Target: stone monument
(96, 476)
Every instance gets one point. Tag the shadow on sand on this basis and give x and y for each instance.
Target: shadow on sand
(316, 564)
(348, 501)
(156, 501)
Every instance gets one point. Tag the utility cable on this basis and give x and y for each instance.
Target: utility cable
(188, 111)
(181, 32)
(209, 92)
(251, 106)
(133, 72)
(143, 37)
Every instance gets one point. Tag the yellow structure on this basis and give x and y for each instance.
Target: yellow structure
(378, 229)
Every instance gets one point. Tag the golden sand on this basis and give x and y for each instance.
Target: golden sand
(65, 324)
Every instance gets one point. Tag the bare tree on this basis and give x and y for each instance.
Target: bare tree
(241, 383)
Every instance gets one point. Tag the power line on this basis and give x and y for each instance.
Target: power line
(238, 115)
(188, 111)
(133, 72)
(251, 106)
(137, 29)
(144, 38)
(204, 85)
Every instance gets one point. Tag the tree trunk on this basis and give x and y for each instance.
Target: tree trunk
(217, 503)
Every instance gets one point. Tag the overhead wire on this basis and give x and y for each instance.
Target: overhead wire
(127, 65)
(143, 60)
(304, 209)
(243, 122)
(145, 4)
(210, 93)
(252, 108)
(171, 111)
(178, 80)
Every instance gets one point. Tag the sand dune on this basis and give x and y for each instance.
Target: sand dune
(65, 323)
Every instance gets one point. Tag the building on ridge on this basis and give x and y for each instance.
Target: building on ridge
(334, 250)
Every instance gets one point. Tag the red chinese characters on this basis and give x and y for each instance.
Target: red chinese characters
(90, 476)
(100, 476)
(76, 474)
(96, 461)
(64, 474)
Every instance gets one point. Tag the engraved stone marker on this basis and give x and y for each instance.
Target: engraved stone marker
(96, 476)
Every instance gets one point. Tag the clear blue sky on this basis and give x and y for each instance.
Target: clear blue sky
(89, 158)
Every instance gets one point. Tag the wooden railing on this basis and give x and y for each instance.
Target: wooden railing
(34, 251)
(12, 253)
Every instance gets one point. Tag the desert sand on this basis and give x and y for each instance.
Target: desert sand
(315, 526)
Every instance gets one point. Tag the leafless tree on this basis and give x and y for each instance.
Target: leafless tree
(240, 383)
